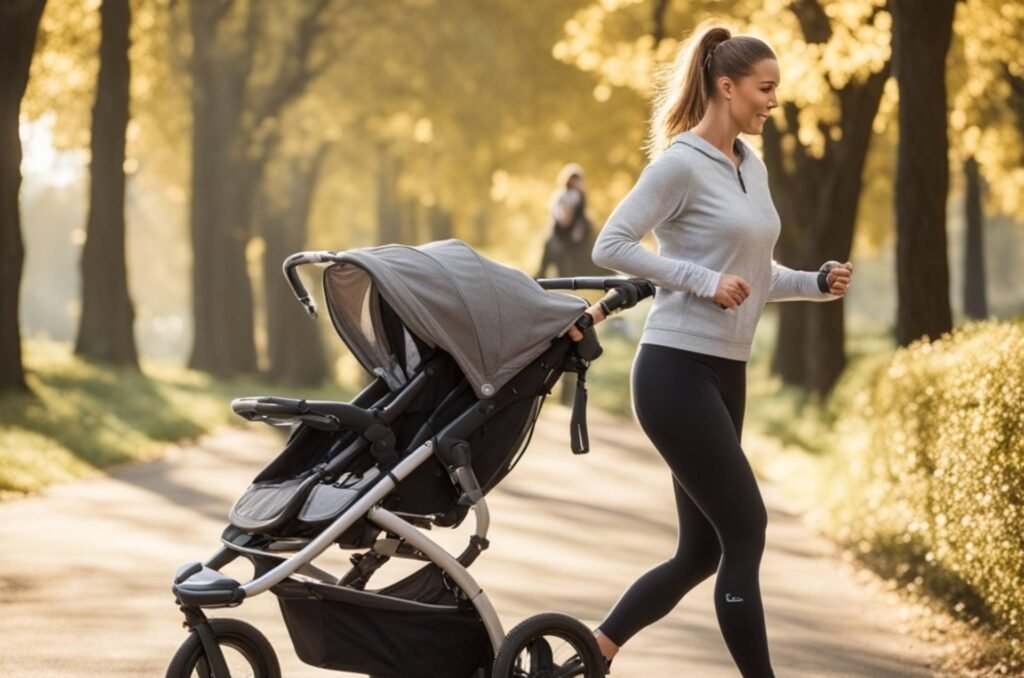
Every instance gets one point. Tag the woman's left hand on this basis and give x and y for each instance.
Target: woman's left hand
(839, 278)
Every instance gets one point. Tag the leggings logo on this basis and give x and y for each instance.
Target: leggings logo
(729, 598)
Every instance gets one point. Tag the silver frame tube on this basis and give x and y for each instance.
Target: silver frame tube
(308, 570)
(324, 540)
(447, 562)
(367, 505)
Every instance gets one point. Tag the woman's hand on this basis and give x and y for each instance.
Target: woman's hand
(594, 311)
(732, 291)
(838, 278)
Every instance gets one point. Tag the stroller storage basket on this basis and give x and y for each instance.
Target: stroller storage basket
(344, 629)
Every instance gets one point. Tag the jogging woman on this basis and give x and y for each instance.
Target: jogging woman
(705, 195)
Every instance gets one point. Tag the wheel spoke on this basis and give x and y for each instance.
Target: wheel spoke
(573, 667)
(541, 656)
(549, 645)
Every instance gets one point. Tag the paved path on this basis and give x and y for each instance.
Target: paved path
(86, 567)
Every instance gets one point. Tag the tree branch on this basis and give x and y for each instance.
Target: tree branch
(658, 20)
(295, 72)
(814, 23)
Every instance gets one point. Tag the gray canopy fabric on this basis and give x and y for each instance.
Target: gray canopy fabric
(492, 319)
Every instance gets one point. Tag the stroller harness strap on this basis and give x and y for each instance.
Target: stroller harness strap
(580, 438)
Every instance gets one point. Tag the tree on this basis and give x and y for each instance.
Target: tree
(975, 305)
(987, 125)
(239, 90)
(986, 79)
(294, 345)
(19, 23)
(815, 167)
(106, 325)
(465, 118)
(922, 30)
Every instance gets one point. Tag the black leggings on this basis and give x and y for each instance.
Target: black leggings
(691, 407)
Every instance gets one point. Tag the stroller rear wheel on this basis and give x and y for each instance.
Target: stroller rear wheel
(247, 653)
(549, 645)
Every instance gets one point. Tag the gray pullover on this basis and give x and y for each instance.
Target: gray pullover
(709, 217)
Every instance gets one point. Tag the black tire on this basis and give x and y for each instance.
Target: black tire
(528, 652)
(249, 646)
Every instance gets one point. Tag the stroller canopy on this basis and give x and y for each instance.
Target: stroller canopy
(492, 319)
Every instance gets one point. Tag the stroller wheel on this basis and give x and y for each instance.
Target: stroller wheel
(549, 645)
(247, 653)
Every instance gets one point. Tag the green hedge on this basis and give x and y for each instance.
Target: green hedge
(927, 481)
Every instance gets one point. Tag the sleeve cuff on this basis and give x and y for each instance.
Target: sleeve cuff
(823, 281)
(711, 286)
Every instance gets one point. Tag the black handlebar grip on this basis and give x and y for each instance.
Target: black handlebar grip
(290, 272)
(626, 295)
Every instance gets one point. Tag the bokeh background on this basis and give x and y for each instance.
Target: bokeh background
(160, 158)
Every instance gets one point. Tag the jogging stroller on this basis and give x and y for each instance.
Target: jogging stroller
(463, 351)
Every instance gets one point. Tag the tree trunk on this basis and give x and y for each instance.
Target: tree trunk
(389, 213)
(294, 340)
(789, 359)
(975, 302)
(222, 179)
(439, 223)
(921, 35)
(817, 201)
(832, 237)
(411, 222)
(658, 11)
(19, 23)
(105, 330)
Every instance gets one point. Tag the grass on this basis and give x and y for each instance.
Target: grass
(84, 417)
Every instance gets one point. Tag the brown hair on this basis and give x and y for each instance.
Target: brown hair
(685, 87)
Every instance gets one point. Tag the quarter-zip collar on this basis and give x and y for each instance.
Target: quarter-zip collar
(699, 143)
(694, 140)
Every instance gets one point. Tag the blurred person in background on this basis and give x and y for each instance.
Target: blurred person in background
(568, 244)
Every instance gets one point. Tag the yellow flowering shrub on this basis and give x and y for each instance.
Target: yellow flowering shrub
(928, 479)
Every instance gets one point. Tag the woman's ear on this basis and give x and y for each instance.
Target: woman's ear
(726, 86)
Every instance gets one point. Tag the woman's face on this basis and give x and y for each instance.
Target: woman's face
(752, 98)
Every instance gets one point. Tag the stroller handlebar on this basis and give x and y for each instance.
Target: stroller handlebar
(622, 292)
(296, 260)
(626, 294)
(585, 283)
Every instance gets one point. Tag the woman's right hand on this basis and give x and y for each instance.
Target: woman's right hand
(732, 291)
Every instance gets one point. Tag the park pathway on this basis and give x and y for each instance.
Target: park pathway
(86, 567)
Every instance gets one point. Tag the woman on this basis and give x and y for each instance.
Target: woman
(568, 240)
(705, 195)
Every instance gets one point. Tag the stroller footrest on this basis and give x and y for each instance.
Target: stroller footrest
(198, 586)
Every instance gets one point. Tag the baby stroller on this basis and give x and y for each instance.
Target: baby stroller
(463, 351)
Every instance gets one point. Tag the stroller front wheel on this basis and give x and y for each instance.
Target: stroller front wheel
(549, 645)
(247, 652)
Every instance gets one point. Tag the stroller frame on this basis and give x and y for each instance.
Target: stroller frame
(201, 585)
(301, 561)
